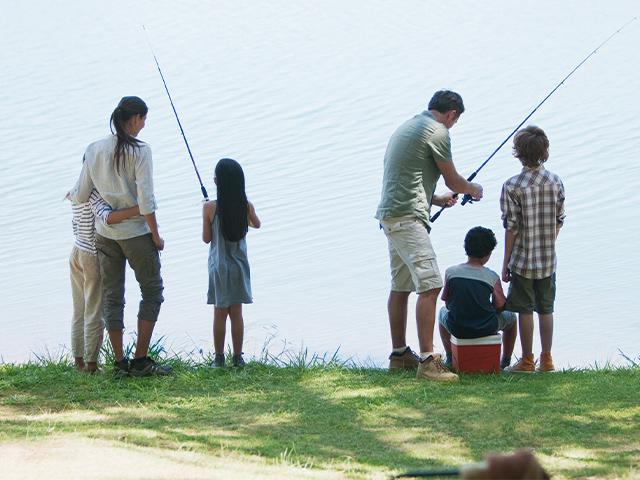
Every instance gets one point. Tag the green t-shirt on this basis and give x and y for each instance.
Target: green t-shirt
(410, 170)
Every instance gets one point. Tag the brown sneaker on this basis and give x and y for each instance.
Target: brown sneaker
(524, 365)
(432, 368)
(545, 362)
(407, 360)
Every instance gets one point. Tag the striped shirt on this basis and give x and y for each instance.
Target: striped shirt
(532, 205)
(83, 221)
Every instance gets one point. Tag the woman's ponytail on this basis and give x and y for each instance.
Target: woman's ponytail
(125, 143)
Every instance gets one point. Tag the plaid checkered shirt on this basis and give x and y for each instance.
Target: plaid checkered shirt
(532, 205)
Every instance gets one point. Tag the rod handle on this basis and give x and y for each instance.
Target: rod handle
(436, 215)
(468, 198)
(204, 193)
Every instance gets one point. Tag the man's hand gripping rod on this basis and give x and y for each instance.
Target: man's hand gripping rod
(467, 198)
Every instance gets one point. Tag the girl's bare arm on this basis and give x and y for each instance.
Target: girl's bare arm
(208, 211)
(254, 221)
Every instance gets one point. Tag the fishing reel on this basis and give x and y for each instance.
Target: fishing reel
(467, 199)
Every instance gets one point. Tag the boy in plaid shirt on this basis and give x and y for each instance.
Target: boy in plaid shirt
(532, 205)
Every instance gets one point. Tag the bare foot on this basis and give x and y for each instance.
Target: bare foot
(79, 364)
(91, 368)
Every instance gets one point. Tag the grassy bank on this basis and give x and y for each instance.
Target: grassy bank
(353, 422)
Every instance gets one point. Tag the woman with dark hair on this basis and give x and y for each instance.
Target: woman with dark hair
(119, 167)
(225, 225)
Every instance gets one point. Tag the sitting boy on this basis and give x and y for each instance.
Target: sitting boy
(475, 299)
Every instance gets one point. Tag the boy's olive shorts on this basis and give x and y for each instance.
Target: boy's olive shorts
(528, 296)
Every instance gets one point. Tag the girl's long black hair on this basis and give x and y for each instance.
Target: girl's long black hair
(231, 204)
(125, 143)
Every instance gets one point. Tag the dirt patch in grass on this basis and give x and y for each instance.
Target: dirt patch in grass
(77, 457)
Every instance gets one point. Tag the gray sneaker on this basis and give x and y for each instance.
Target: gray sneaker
(218, 361)
(121, 368)
(504, 363)
(238, 361)
(432, 368)
(146, 367)
(448, 362)
(407, 360)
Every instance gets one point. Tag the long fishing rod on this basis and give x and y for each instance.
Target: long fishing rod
(467, 198)
(450, 472)
(202, 189)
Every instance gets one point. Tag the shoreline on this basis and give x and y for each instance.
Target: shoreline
(285, 357)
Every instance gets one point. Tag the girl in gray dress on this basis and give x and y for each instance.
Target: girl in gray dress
(225, 223)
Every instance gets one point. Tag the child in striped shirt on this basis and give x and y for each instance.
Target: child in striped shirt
(87, 324)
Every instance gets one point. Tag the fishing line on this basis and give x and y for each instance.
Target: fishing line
(467, 198)
(202, 189)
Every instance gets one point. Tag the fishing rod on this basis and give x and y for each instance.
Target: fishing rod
(450, 472)
(202, 189)
(518, 465)
(467, 198)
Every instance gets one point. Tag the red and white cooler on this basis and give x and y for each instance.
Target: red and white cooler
(476, 355)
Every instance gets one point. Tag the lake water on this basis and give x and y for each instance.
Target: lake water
(305, 95)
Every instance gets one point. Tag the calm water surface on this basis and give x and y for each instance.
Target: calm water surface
(305, 95)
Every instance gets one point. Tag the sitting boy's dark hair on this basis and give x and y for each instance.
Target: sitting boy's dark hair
(446, 100)
(531, 146)
(479, 242)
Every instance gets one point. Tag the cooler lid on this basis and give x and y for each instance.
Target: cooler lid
(490, 340)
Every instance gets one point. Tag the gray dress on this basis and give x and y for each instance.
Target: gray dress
(229, 276)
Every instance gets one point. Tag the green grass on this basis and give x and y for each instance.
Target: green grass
(355, 421)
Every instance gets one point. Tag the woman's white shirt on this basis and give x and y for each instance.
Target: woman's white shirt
(132, 186)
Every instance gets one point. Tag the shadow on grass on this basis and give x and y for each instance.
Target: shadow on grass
(352, 420)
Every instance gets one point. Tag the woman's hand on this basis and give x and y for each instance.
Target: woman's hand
(150, 218)
(158, 241)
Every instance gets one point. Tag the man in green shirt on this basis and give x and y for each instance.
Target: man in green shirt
(417, 154)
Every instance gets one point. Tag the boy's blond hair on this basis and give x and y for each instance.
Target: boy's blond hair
(531, 146)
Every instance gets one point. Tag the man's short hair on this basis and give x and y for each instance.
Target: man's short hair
(446, 100)
(479, 242)
(531, 146)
